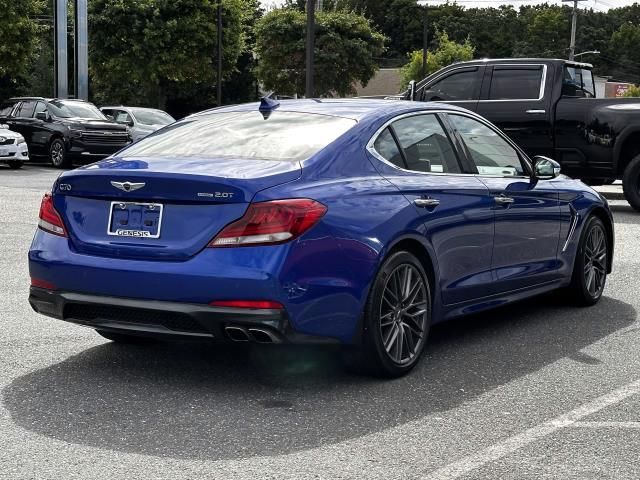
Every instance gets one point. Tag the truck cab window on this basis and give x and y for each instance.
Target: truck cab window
(457, 86)
(578, 82)
(516, 84)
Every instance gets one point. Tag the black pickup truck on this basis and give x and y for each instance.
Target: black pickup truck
(548, 107)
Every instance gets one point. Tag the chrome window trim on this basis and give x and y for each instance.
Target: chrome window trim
(371, 144)
(543, 83)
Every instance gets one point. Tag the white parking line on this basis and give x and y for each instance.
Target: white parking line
(606, 424)
(498, 450)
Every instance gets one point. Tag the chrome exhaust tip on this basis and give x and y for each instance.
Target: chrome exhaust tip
(237, 334)
(260, 335)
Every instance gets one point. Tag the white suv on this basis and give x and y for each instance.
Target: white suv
(13, 148)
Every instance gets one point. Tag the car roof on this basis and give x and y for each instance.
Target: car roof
(353, 108)
(481, 61)
(16, 99)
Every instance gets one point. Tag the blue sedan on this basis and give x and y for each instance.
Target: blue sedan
(354, 222)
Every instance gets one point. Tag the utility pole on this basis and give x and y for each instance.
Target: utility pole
(61, 77)
(311, 40)
(425, 42)
(219, 86)
(81, 51)
(574, 21)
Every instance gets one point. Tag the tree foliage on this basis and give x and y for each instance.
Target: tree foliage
(447, 52)
(346, 48)
(18, 34)
(142, 51)
(634, 91)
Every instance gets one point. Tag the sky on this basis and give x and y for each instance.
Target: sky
(598, 5)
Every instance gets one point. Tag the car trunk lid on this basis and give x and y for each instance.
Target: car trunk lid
(180, 204)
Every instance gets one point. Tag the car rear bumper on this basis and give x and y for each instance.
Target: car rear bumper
(161, 319)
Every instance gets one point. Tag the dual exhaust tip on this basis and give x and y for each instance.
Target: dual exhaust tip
(251, 334)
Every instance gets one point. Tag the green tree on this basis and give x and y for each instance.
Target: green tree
(346, 48)
(447, 52)
(634, 91)
(19, 41)
(146, 51)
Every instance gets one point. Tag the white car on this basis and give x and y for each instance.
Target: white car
(141, 121)
(13, 148)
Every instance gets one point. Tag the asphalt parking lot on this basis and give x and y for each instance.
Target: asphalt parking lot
(540, 390)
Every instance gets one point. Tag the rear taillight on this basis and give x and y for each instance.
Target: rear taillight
(50, 220)
(271, 222)
(250, 304)
(37, 282)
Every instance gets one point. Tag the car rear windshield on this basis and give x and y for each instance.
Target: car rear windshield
(279, 136)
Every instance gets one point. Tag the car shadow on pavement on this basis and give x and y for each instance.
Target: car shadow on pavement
(202, 402)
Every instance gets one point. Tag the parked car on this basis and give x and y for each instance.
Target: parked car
(346, 221)
(141, 121)
(548, 107)
(13, 148)
(64, 130)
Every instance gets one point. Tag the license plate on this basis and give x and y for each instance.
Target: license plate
(131, 219)
(4, 152)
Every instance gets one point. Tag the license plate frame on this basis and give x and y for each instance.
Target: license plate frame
(138, 232)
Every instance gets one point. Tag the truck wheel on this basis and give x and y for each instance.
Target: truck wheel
(58, 154)
(631, 183)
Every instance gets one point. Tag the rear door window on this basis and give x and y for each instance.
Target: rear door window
(386, 146)
(516, 83)
(425, 144)
(6, 108)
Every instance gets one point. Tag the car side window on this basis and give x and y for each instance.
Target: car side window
(516, 83)
(6, 108)
(40, 107)
(122, 117)
(491, 154)
(388, 149)
(26, 109)
(426, 146)
(107, 113)
(457, 86)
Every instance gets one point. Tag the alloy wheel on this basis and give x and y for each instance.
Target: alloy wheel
(57, 153)
(403, 314)
(595, 261)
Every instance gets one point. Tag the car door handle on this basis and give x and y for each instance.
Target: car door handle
(426, 202)
(536, 112)
(504, 200)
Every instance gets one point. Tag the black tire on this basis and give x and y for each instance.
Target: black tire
(631, 183)
(15, 165)
(409, 318)
(58, 154)
(125, 338)
(590, 264)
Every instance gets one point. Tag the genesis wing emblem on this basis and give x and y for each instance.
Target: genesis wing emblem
(128, 186)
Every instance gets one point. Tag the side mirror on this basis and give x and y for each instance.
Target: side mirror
(130, 123)
(545, 168)
(42, 116)
(412, 90)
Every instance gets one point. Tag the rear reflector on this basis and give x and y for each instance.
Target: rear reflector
(271, 222)
(50, 220)
(36, 282)
(253, 304)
